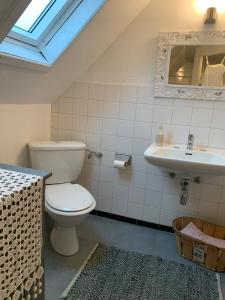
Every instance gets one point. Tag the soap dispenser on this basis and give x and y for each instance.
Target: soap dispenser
(160, 137)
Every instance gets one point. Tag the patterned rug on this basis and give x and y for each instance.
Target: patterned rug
(117, 274)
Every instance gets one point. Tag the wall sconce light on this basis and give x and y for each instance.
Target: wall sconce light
(212, 8)
(210, 15)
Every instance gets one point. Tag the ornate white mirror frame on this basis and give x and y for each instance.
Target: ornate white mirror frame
(167, 40)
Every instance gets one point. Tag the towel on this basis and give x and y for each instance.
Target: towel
(193, 231)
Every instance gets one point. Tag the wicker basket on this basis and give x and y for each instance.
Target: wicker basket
(202, 253)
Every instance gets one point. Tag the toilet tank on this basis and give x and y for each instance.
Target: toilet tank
(64, 159)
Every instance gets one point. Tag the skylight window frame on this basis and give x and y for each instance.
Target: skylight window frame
(49, 18)
(37, 19)
(42, 56)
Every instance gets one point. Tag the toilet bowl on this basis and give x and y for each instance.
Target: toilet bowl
(67, 204)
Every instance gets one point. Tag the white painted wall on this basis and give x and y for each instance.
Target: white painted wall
(114, 109)
(104, 28)
(132, 57)
(20, 124)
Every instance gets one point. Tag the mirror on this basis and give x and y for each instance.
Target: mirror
(191, 65)
(197, 65)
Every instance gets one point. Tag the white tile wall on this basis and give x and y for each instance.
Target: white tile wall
(112, 118)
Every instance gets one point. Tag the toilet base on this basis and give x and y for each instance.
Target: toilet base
(64, 240)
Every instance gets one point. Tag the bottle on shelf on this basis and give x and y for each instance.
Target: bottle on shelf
(160, 137)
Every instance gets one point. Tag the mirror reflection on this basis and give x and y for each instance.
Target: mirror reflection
(197, 65)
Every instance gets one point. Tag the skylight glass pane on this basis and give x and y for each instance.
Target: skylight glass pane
(32, 14)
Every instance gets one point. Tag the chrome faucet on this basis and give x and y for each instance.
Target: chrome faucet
(190, 142)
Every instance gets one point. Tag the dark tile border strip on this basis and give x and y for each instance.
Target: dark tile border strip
(132, 221)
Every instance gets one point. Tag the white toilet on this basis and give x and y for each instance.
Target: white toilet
(68, 204)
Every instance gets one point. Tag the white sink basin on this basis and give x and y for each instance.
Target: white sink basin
(179, 159)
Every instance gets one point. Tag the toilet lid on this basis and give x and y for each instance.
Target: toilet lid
(68, 197)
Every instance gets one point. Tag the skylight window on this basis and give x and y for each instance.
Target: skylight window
(46, 28)
(35, 10)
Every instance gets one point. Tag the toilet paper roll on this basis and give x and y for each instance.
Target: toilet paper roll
(119, 164)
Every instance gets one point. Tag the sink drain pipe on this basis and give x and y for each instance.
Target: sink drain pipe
(184, 183)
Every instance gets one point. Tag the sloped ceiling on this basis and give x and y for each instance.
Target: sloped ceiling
(10, 11)
(20, 85)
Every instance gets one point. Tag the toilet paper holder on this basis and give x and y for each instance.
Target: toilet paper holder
(126, 158)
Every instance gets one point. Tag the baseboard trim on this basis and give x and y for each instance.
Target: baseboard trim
(132, 221)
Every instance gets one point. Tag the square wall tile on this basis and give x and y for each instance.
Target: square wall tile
(142, 130)
(92, 172)
(138, 163)
(217, 138)
(105, 189)
(80, 107)
(163, 114)
(109, 126)
(153, 198)
(124, 145)
(79, 123)
(121, 192)
(65, 106)
(137, 195)
(135, 211)
(167, 216)
(146, 94)
(208, 211)
(54, 120)
(122, 176)
(112, 92)
(55, 107)
(127, 111)
(105, 204)
(129, 93)
(144, 113)
(78, 136)
(65, 121)
(54, 134)
(94, 125)
(109, 142)
(138, 179)
(211, 193)
(182, 115)
(119, 207)
(218, 119)
(179, 134)
(125, 128)
(95, 108)
(154, 182)
(151, 214)
(111, 109)
(126, 118)
(106, 173)
(140, 145)
(93, 141)
(107, 158)
(201, 117)
(64, 134)
(170, 202)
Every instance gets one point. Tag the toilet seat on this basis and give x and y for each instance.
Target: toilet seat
(68, 198)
